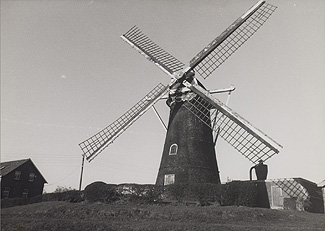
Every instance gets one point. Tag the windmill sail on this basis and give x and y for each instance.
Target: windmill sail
(165, 61)
(98, 142)
(292, 188)
(248, 140)
(238, 132)
(222, 47)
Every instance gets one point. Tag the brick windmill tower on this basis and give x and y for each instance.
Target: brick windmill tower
(195, 115)
(189, 151)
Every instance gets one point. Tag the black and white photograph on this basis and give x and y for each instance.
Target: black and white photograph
(162, 115)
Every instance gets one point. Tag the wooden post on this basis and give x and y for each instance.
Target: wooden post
(82, 170)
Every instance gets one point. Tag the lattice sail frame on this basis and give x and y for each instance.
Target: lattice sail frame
(98, 142)
(292, 188)
(222, 47)
(238, 132)
(165, 61)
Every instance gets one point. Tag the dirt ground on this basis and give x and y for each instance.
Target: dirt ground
(99, 216)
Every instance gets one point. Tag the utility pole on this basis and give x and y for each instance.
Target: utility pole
(82, 170)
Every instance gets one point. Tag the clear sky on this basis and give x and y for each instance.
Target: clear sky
(66, 74)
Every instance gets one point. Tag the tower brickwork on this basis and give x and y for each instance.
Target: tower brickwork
(188, 155)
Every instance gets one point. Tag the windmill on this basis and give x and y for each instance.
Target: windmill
(189, 154)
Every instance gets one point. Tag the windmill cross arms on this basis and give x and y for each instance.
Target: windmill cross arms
(238, 132)
(98, 142)
(140, 42)
(222, 47)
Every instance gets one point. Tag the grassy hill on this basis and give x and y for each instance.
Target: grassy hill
(61, 215)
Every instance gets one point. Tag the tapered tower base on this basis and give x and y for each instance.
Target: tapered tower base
(189, 155)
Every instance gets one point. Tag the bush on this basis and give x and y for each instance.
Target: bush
(234, 193)
(205, 194)
(69, 196)
(143, 194)
(176, 192)
(239, 193)
(60, 189)
(101, 192)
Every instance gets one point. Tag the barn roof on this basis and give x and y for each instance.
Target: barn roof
(9, 166)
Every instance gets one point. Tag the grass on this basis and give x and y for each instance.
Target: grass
(59, 215)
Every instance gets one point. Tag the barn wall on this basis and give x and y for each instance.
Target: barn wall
(17, 187)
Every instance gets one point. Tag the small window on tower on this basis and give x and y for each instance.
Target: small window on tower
(17, 175)
(173, 149)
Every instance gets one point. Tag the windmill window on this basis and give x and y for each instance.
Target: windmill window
(173, 149)
(169, 179)
(17, 175)
(25, 193)
(31, 177)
